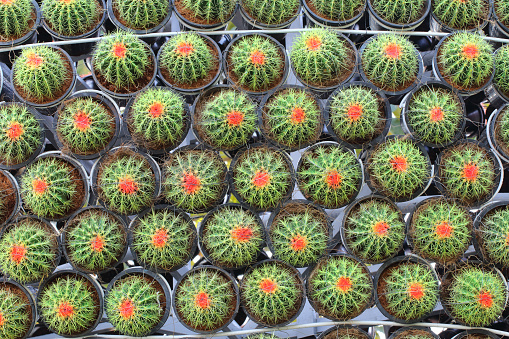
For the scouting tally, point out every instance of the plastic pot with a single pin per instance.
(411, 331)
(347, 331)
(476, 333)
(377, 23)
(491, 136)
(438, 26)
(14, 210)
(320, 21)
(24, 293)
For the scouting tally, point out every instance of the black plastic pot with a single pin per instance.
(476, 333)
(413, 331)
(351, 332)
(30, 299)
(377, 23)
(387, 114)
(17, 199)
(438, 26)
(491, 135)
(319, 21)
(496, 28)
(135, 221)
(95, 285)
(405, 103)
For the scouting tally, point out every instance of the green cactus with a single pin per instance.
(374, 230)
(40, 73)
(337, 10)
(262, 336)
(272, 293)
(69, 304)
(121, 59)
(157, 118)
(502, 11)
(345, 332)
(232, 236)
(226, 119)
(408, 290)
(262, 177)
(340, 287)
(163, 239)
(85, 125)
(271, 12)
(52, 187)
(493, 236)
(329, 175)
(414, 333)
(440, 230)
(72, 17)
(187, 60)
(140, 14)
(467, 173)
(15, 18)
(135, 305)
(208, 11)
(15, 312)
(435, 114)
(390, 62)
(461, 15)
(356, 114)
(28, 251)
(398, 168)
(255, 63)
(501, 130)
(475, 296)
(95, 240)
(399, 12)
(205, 299)
(126, 181)
(20, 134)
(501, 76)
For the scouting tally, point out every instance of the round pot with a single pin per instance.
(495, 146)
(405, 332)
(320, 21)
(188, 25)
(347, 331)
(436, 25)
(14, 210)
(476, 333)
(496, 28)
(24, 293)
(376, 22)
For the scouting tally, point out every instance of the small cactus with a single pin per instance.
(413, 333)
(85, 125)
(390, 62)
(126, 181)
(492, 236)
(205, 299)
(399, 12)
(95, 240)
(345, 332)
(69, 304)
(15, 312)
(337, 10)
(255, 63)
(272, 293)
(40, 73)
(28, 251)
(435, 115)
(188, 60)
(262, 336)
(157, 118)
(461, 15)
(226, 119)
(208, 11)
(501, 131)
(340, 287)
(356, 114)
(374, 230)
(162, 239)
(194, 179)
(140, 14)
(15, 18)
(475, 296)
(501, 76)
(501, 9)
(72, 17)
(262, 177)
(20, 134)
(440, 230)
(232, 236)
(271, 12)
(329, 175)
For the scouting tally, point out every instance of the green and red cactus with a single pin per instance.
(15, 19)
(15, 311)
(492, 236)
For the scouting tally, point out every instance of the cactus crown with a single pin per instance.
(226, 119)
(398, 168)
(140, 14)
(95, 240)
(72, 17)
(135, 304)
(232, 236)
(501, 76)
(69, 304)
(15, 312)
(356, 114)
(262, 177)
(188, 60)
(20, 134)
(493, 236)
(126, 181)
(163, 239)
(121, 60)
(157, 119)
(15, 18)
(408, 290)
(272, 292)
(320, 57)
(475, 296)
(292, 117)
(271, 12)
(401, 11)
(467, 173)
(28, 251)
(205, 299)
(85, 125)
(41, 73)
(255, 63)
(337, 10)
(194, 179)
(329, 175)
(440, 230)
(461, 15)
(52, 187)
(207, 11)
(374, 230)
(465, 60)
(390, 62)
(340, 287)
